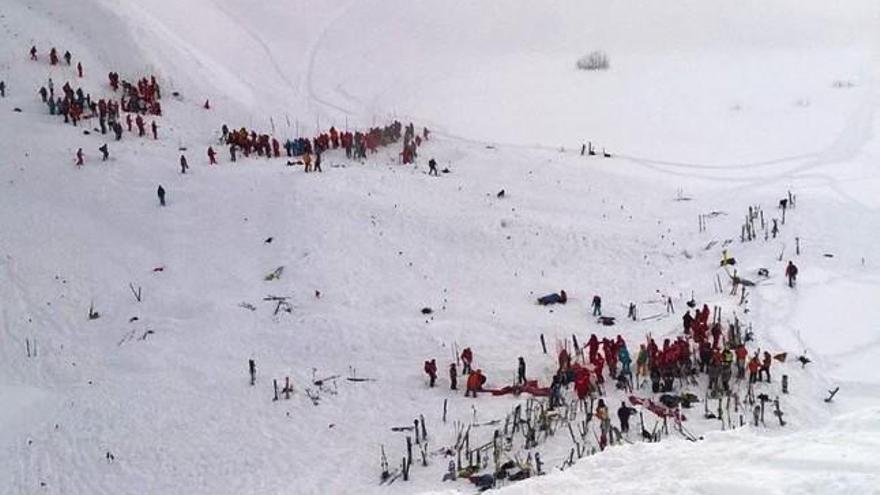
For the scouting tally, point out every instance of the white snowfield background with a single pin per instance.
(727, 104)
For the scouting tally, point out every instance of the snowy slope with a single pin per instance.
(729, 105)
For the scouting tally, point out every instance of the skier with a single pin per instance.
(765, 366)
(318, 162)
(207, 105)
(43, 93)
(687, 320)
(139, 122)
(33, 53)
(791, 272)
(2, 89)
(669, 307)
(642, 362)
(741, 354)
(211, 156)
(623, 415)
(104, 151)
(183, 165)
(475, 382)
(67, 57)
(564, 361)
(631, 312)
(556, 390)
(521, 372)
(604, 423)
(432, 168)
(155, 129)
(53, 57)
(161, 193)
(467, 357)
(453, 377)
(307, 161)
(754, 365)
(79, 157)
(597, 305)
(79, 69)
(431, 370)
(625, 360)
(232, 150)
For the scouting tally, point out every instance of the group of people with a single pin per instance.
(356, 144)
(138, 99)
(55, 60)
(702, 347)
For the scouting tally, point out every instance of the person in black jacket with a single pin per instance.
(161, 193)
(623, 415)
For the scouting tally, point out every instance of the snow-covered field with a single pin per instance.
(729, 105)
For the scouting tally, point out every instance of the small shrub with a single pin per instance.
(593, 61)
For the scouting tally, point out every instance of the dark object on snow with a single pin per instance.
(268, 240)
(16, 109)
(500, 194)
(692, 303)
(161, 193)
(483, 481)
(133, 319)
(606, 320)
(728, 261)
(832, 394)
(554, 298)
(804, 360)
(445, 170)
(93, 315)
(763, 272)
(670, 401)
(519, 475)
(828, 255)
(427, 311)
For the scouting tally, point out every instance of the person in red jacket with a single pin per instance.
(467, 357)
(582, 383)
(475, 382)
(598, 364)
(593, 344)
(211, 155)
(431, 370)
(741, 354)
(564, 360)
(276, 148)
(754, 365)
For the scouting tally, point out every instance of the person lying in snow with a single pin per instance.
(554, 298)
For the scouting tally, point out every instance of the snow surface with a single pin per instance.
(729, 105)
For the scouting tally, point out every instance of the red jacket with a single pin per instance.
(466, 355)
